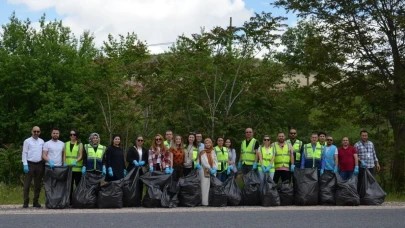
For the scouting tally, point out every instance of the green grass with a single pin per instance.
(395, 197)
(14, 195)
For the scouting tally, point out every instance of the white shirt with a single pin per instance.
(140, 153)
(54, 150)
(32, 150)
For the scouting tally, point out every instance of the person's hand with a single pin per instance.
(171, 170)
(212, 171)
(378, 166)
(198, 166)
(65, 165)
(110, 172)
(363, 164)
(239, 165)
(104, 170)
(125, 172)
(83, 170)
(51, 164)
(322, 171)
(356, 170)
(151, 169)
(26, 169)
(136, 163)
(228, 171)
(74, 163)
(263, 168)
(141, 163)
(292, 167)
(336, 169)
(255, 166)
(167, 170)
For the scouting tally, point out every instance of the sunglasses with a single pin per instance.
(158, 139)
(266, 139)
(248, 132)
(140, 140)
(36, 131)
(72, 134)
(329, 140)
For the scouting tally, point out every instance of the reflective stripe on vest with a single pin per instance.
(311, 154)
(195, 156)
(248, 153)
(267, 157)
(167, 145)
(94, 158)
(223, 158)
(72, 156)
(296, 148)
(282, 156)
(330, 157)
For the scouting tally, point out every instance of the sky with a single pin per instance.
(154, 21)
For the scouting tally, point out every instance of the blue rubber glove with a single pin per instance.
(363, 164)
(255, 166)
(269, 167)
(84, 170)
(141, 163)
(198, 166)
(239, 165)
(292, 167)
(65, 165)
(171, 170)
(51, 164)
(228, 171)
(26, 169)
(110, 172)
(167, 170)
(263, 168)
(125, 172)
(74, 163)
(322, 171)
(136, 163)
(212, 171)
(336, 169)
(151, 169)
(356, 170)
(104, 171)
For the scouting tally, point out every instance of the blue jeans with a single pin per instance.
(222, 176)
(346, 175)
(261, 177)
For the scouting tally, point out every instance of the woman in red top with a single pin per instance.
(156, 154)
(177, 156)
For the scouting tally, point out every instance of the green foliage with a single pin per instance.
(10, 164)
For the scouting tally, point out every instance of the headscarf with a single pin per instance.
(208, 152)
(91, 137)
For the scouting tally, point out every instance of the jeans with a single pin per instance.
(346, 175)
(261, 177)
(222, 176)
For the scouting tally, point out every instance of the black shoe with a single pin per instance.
(37, 205)
(25, 205)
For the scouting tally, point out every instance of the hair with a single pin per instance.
(291, 129)
(55, 129)
(155, 146)
(345, 137)
(363, 131)
(92, 135)
(196, 133)
(321, 133)
(136, 138)
(174, 145)
(269, 138)
(231, 146)
(280, 132)
(114, 136)
(168, 131)
(77, 135)
(314, 133)
(220, 137)
(195, 139)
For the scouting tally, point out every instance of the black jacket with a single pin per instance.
(132, 154)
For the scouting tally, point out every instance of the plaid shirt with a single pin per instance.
(366, 153)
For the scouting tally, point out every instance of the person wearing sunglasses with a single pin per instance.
(33, 165)
(267, 162)
(115, 161)
(94, 156)
(284, 159)
(156, 154)
(72, 156)
(296, 145)
(249, 152)
(209, 164)
(137, 155)
(329, 157)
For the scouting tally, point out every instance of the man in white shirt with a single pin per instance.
(52, 152)
(33, 165)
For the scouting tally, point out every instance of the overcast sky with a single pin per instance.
(154, 21)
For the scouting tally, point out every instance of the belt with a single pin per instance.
(34, 163)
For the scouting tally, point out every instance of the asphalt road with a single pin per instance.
(248, 217)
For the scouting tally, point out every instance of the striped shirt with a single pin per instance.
(366, 153)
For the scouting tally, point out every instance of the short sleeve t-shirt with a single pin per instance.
(54, 149)
(346, 159)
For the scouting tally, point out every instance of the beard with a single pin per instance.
(55, 137)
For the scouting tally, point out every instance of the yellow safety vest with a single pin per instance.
(267, 157)
(296, 148)
(94, 158)
(167, 145)
(283, 156)
(223, 158)
(248, 153)
(72, 156)
(195, 156)
(311, 154)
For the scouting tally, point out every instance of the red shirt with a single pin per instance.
(346, 158)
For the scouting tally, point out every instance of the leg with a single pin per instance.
(272, 175)
(39, 173)
(246, 169)
(285, 176)
(371, 171)
(27, 183)
(277, 176)
(261, 177)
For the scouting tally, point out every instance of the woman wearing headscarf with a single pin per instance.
(94, 158)
(156, 154)
(209, 163)
(115, 160)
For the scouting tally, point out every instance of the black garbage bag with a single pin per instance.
(232, 191)
(217, 196)
(85, 195)
(155, 181)
(328, 188)
(132, 192)
(57, 183)
(269, 194)
(370, 191)
(170, 194)
(111, 194)
(190, 189)
(346, 192)
(286, 193)
(251, 190)
(307, 187)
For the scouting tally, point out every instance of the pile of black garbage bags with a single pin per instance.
(164, 191)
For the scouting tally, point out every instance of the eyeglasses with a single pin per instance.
(36, 131)
(266, 139)
(329, 140)
(158, 139)
(72, 134)
(293, 133)
(140, 140)
(248, 132)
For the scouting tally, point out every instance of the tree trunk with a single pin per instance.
(398, 163)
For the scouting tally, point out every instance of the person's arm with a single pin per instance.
(63, 155)
(45, 153)
(377, 165)
(105, 159)
(336, 158)
(323, 160)
(291, 153)
(303, 159)
(233, 157)
(84, 156)
(171, 160)
(274, 155)
(123, 160)
(131, 155)
(356, 159)
(259, 157)
(215, 161)
(80, 153)
(150, 157)
(25, 153)
(204, 161)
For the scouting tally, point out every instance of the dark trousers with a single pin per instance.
(361, 175)
(187, 171)
(283, 174)
(76, 176)
(178, 171)
(246, 168)
(222, 176)
(36, 171)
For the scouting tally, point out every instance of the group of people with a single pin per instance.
(179, 157)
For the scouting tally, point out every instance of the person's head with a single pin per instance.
(191, 139)
(266, 140)
(198, 137)
(74, 136)
(116, 140)
(158, 141)
(280, 137)
(322, 136)
(314, 138)
(94, 139)
(55, 134)
(345, 141)
(35, 132)
(139, 141)
(220, 141)
(329, 140)
(249, 133)
(228, 143)
(169, 135)
(178, 142)
(292, 134)
(364, 135)
(207, 144)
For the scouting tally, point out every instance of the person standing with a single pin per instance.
(322, 139)
(137, 155)
(115, 160)
(169, 139)
(249, 153)
(348, 160)
(222, 153)
(199, 139)
(296, 145)
(32, 165)
(329, 157)
(312, 155)
(284, 157)
(73, 156)
(367, 155)
(209, 165)
(53, 150)
(156, 154)
(177, 151)
(267, 162)
(190, 155)
(94, 157)
(232, 157)
(167, 163)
